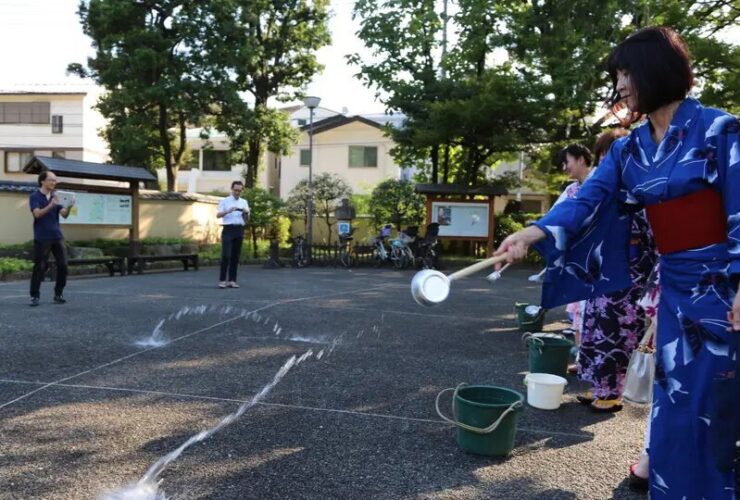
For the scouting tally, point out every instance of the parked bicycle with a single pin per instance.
(380, 252)
(429, 248)
(401, 254)
(347, 253)
(300, 251)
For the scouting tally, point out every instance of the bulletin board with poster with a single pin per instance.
(100, 209)
(466, 220)
(461, 219)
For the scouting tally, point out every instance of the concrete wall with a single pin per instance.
(163, 218)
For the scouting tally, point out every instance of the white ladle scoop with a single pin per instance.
(430, 287)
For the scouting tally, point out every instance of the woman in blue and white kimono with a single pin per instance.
(683, 166)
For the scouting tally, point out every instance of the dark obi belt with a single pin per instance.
(695, 220)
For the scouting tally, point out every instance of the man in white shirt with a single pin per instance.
(234, 214)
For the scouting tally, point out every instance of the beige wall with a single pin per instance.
(164, 218)
(331, 154)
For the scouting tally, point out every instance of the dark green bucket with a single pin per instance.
(527, 322)
(486, 418)
(549, 355)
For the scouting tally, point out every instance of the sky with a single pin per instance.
(39, 38)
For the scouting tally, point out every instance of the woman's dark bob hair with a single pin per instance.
(578, 151)
(658, 62)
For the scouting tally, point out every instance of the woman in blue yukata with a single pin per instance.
(683, 166)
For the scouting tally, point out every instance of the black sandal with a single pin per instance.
(636, 482)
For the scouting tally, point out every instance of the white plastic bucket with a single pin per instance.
(544, 391)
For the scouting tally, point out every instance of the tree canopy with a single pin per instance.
(395, 201)
(519, 76)
(171, 64)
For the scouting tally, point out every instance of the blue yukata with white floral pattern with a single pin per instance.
(586, 246)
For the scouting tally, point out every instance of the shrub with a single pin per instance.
(12, 265)
(511, 223)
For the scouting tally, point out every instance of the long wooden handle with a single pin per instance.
(467, 271)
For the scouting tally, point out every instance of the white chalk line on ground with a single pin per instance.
(176, 339)
(279, 405)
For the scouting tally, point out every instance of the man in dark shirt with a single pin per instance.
(47, 236)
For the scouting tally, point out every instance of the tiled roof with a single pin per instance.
(338, 121)
(17, 187)
(144, 194)
(167, 195)
(88, 170)
(452, 189)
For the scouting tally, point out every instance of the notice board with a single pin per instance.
(101, 209)
(467, 220)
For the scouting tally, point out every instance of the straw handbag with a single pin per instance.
(638, 384)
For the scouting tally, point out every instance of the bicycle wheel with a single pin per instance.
(346, 258)
(398, 258)
(377, 257)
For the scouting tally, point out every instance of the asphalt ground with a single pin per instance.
(84, 409)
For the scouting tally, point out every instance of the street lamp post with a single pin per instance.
(311, 103)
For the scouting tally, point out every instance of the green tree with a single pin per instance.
(297, 202)
(404, 37)
(520, 76)
(264, 211)
(268, 48)
(395, 201)
(142, 59)
(328, 191)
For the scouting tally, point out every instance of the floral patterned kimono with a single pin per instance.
(695, 413)
(614, 324)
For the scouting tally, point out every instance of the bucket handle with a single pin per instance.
(476, 430)
(536, 341)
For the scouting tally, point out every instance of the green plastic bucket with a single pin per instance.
(549, 355)
(486, 418)
(527, 322)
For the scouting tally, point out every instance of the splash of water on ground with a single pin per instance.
(147, 488)
(156, 339)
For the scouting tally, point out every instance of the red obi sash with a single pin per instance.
(692, 221)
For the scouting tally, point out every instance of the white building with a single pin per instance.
(354, 147)
(49, 120)
(209, 169)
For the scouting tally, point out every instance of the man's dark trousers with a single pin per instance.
(231, 248)
(41, 251)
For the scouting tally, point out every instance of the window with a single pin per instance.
(531, 206)
(216, 160)
(57, 124)
(301, 122)
(305, 157)
(16, 160)
(58, 154)
(363, 156)
(25, 112)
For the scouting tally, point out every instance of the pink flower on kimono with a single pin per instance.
(601, 303)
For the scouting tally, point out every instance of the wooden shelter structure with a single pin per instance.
(76, 169)
(459, 210)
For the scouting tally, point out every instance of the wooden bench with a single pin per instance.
(114, 265)
(81, 256)
(137, 261)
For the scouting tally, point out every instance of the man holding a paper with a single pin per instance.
(47, 236)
